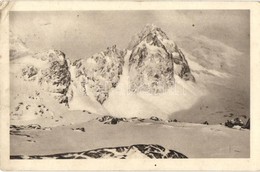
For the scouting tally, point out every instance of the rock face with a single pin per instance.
(124, 152)
(154, 61)
(29, 72)
(51, 73)
(247, 126)
(99, 73)
(55, 76)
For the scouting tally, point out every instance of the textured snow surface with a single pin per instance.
(192, 140)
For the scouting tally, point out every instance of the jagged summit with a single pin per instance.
(151, 29)
(150, 33)
(111, 80)
(99, 73)
(154, 61)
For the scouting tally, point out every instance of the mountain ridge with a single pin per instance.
(157, 78)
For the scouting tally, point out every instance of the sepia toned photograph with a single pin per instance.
(157, 84)
(136, 85)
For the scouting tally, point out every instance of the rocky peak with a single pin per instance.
(100, 72)
(150, 34)
(55, 75)
(77, 63)
(151, 29)
(154, 61)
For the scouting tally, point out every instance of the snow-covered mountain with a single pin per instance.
(154, 61)
(99, 73)
(156, 79)
(152, 77)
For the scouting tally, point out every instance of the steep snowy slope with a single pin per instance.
(39, 103)
(79, 100)
(48, 69)
(28, 100)
(125, 103)
(211, 54)
(156, 79)
(215, 65)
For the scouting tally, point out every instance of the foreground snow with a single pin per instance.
(139, 151)
(193, 140)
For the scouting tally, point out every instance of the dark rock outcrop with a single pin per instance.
(142, 151)
(111, 120)
(247, 125)
(55, 77)
(154, 118)
(205, 123)
(81, 129)
(29, 72)
(234, 122)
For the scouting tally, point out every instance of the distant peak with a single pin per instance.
(113, 48)
(150, 32)
(150, 28)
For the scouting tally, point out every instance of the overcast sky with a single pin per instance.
(81, 34)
